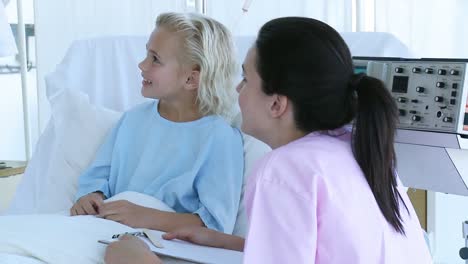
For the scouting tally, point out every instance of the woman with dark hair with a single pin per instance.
(328, 192)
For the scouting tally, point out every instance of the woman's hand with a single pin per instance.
(127, 213)
(206, 237)
(88, 204)
(130, 249)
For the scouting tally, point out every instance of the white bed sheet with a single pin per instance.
(6, 258)
(59, 238)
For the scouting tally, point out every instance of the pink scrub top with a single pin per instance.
(309, 202)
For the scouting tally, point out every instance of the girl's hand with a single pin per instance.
(207, 237)
(195, 234)
(126, 213)
(88, 204)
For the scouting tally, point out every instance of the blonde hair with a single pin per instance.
(208, 44)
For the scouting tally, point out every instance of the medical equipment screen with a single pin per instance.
(400, 84)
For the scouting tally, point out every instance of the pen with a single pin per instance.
(105, 242)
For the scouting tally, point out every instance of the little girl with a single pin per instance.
(177, 148)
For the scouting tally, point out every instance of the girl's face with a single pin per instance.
(163, 76)
(253, 102)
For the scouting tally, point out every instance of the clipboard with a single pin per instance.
(187, 251)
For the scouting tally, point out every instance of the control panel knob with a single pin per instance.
(447, 119)
(416, 70)
(429, 70)
(439, 99)
(416, 118)
(420, 89)
(442, 72)
(402, 112)
(399, 70)
(440, 84)
(454, 72)
(415, 101)
(401, 99)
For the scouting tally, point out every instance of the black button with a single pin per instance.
(453, 101)
(402, 112)
(416, 70)
(401, 99)
(453, 72)
(454, 93)
(415, 101)
(442, 72)
(440, 84)
(398, 70)
(413, 112)
(429, 70)
(454, 85)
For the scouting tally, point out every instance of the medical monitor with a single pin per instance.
(431, 142)
(431, 94)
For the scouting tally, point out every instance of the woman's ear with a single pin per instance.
(278, 105)
(193, 80)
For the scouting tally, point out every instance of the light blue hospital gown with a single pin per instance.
(194, 167)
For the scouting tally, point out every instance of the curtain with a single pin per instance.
(430, 28)
(337, 13)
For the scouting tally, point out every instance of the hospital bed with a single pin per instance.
(97, 80)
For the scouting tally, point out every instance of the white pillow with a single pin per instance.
(254, 149)
(80, 127)
(64, 150)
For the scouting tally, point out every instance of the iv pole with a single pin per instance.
(24, 84)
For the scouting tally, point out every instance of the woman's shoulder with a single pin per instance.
(306, 161)
(315, 145)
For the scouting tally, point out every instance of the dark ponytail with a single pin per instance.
(308, 61)
(373, 137)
